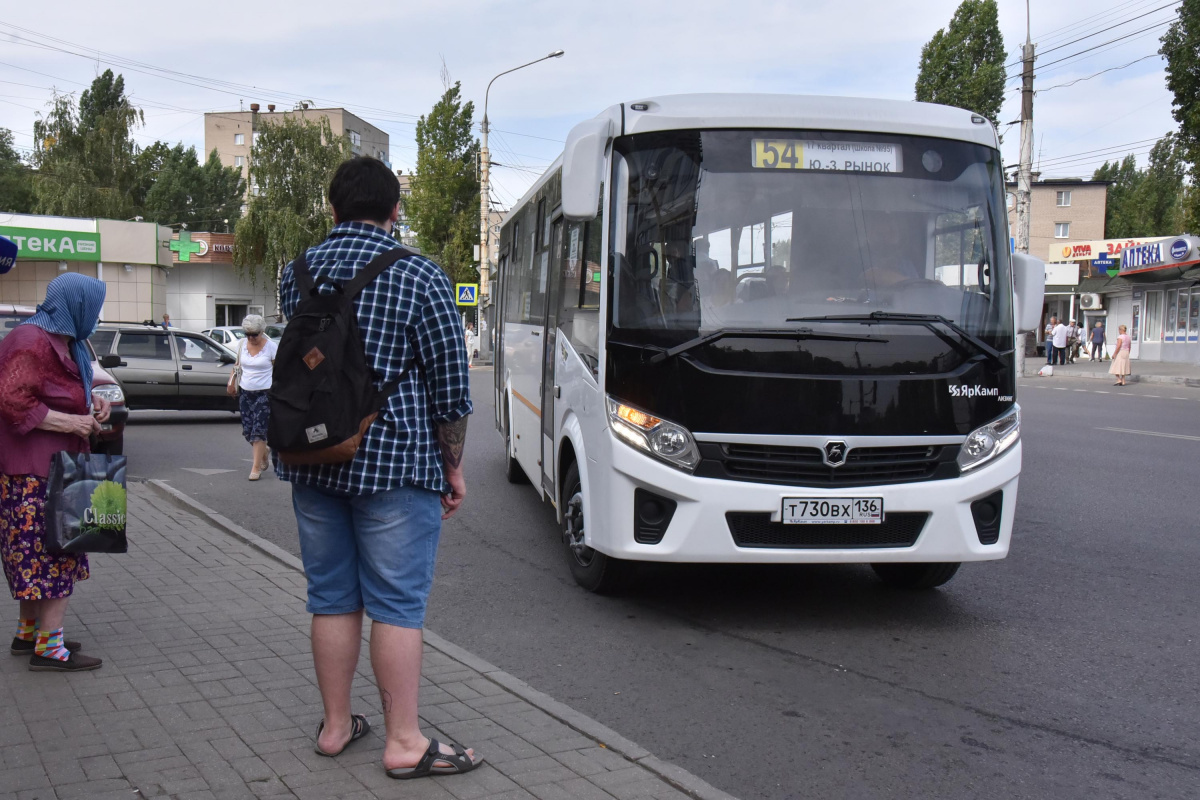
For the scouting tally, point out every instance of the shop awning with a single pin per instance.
(1061, 289)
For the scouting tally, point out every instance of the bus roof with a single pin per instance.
(804, 111)
(788, 111)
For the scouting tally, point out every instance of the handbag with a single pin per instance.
(86, 504)
(235, 377)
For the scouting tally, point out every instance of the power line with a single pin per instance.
(1097, 33)
(1067, 30)
(1097, 74)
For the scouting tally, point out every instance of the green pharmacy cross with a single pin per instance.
(185, 246)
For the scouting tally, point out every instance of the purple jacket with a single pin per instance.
(37, 375)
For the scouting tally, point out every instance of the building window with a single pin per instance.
(1011, 200)
(1062, 230)
(355, 138)
(239, 138)
(254, 139)
(1062, 199)
(239, 161)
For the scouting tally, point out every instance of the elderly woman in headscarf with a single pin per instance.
(256, 357)
(46, 405)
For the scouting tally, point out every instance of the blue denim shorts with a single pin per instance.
(374, 552)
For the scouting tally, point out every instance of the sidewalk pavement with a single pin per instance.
(1143, 371)
(208, 691)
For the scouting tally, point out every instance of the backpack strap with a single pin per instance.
(374, 269)
(302, 276)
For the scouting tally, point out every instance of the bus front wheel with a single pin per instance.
(593, 571)
(915, 576)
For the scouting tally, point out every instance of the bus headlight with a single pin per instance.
(660, 438)
(987, 442)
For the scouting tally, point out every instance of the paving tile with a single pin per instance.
(212, 695)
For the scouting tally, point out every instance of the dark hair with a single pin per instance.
(364, 189)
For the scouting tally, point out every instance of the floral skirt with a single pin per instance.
(255, 413)
(32, 573)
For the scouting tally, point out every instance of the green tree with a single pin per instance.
(1124, 177)
(1181, 48)
(444, 205)
(963, 65)
(1145, 202)
(182, 190)
(86, 157)
(291, 165)
(16, 179)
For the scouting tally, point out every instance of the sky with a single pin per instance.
(385, 63)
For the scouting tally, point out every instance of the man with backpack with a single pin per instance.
(369, 412)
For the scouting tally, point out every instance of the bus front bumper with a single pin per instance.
(700, 530)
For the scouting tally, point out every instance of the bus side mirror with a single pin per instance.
(1029, 289)
(583, 169)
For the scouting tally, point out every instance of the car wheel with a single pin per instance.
(114, 447)
(916, 576)
(592, 570)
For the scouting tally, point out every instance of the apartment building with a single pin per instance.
(1063, 210)
(231, 133)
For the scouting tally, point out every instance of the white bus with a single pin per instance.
(727, 333)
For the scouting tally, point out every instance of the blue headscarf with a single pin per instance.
(72, 308)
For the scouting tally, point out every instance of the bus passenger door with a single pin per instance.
(550, 337)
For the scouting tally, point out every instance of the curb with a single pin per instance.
(677, 777)
(1173, 380)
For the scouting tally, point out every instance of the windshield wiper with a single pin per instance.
(760, 333)
(929, 321)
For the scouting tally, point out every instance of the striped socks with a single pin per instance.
(50, 645)
(27, 629)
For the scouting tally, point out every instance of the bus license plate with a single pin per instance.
(832, 511)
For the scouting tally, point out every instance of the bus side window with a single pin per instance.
(579, 301)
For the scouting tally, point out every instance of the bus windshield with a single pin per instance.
(758, 229)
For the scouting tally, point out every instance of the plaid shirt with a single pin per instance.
(411, 332)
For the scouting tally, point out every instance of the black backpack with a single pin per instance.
(323, 396)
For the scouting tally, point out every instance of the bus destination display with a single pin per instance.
(834, 156)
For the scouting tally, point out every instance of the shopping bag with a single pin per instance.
(85, 504)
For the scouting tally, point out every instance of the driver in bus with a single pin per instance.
(890, 245)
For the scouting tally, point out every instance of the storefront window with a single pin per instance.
(1172, 312)
(1152, 331)
(1194, 317)
(1181, 325)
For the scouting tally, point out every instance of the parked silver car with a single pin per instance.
(230, 335)
(167, 369)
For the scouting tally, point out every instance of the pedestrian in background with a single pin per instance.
(1120, 360)
(369, 527)
(1097, 339)
(470, 344)
(1073, 343)
(256, 357)
(1048, 339)
(46, 406)
(1061, 335)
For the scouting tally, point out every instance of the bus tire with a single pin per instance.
(916, 576)
(513, 472)
(592, 570)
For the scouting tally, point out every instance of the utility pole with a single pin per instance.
(485, 210)
(1025, 173)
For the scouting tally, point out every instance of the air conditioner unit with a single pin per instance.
(1091, 301)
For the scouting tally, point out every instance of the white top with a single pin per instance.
(1060, 335)
(256, 370)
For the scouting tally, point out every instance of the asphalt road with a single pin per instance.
(1068, 670)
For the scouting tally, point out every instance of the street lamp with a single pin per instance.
(484, 289)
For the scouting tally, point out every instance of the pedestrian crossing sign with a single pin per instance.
(468, 294)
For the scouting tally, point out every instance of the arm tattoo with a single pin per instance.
(385, 698)
(451, 437)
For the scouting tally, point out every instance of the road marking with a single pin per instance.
(1100, 392)
(1153, 433)
(1060, 388)
(1081, 390)
(1152, 395)
(205, 472)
